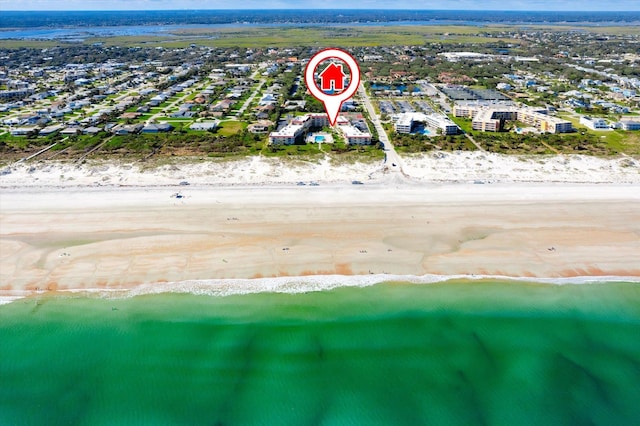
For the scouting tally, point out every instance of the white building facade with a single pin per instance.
(489, 118)
(629, 125)
(594, 123)
(406, 121)
(301, 125)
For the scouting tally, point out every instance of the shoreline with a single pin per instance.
(120, 238)
(300, 284)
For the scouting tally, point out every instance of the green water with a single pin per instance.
(393, 354)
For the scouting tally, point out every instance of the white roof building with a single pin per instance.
(355, 136)
(489, 118)
(300, 125)
(594, 123)
(629, 125)
(405, 122)
(204, 125)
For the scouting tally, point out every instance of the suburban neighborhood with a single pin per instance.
(256, 97)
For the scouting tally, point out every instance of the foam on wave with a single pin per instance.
(307, 284)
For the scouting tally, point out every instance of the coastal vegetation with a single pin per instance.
(155, 147)
(610, 143)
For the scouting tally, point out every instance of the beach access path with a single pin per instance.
(392, 160)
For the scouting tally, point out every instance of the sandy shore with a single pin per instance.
(122, 238)
(431, 167)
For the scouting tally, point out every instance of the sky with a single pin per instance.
(542, 5)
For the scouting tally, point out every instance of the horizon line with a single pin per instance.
(325, 9)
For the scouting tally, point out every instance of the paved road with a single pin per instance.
(253, 76)
(251, 98)
(391, 157)
(172, 106)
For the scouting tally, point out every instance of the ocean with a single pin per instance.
(453, 353)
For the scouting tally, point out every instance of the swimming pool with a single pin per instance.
(421, 130)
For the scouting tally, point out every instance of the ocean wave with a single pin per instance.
(307, 284)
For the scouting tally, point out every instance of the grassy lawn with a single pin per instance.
(616, 140)
(228, 128)
(621, 141)
(463, 123)
(572, 118)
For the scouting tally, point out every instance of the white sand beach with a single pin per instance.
(94, 234)
(431, 167)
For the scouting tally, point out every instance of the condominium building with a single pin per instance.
(491, 118)
(287, 135)
(299, 126)
(355, 136)
(406, 121)
(296, 128)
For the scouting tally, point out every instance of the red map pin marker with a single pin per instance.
(332, 78)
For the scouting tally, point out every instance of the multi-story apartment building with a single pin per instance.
(491, 118)
(406, 121)
(299, 126)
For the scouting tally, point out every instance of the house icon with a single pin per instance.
(332, 77)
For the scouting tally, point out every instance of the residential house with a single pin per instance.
(130, 115)
(157, 128)
(629, 124)
(261, 126)
(204, 125)
(24, 131)
(126, 129)
(50, 130)
(71, 131)
(182, 114)
(296, 105)
(223, 105)
(594, 123)
(268, 99)
(91, 130)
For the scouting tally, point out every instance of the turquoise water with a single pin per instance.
(422, 130)
(455, 353)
